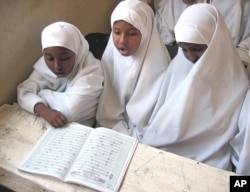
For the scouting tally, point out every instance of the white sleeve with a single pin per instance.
(79, 100)
(27, 92)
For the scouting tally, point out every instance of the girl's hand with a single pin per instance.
(53, 117)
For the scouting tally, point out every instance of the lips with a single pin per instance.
(123, 51)
(59, 74)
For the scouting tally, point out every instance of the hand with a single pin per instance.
(53, 117)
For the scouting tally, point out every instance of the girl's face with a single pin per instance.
(59, 60)
(126, 38)
(192, 51)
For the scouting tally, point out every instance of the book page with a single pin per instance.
(54, 153)
(102, 162)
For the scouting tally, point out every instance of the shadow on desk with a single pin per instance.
(4, 189)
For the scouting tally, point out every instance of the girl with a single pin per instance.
(133, 62)
(66, 81)
(236, 14)
(197, 112)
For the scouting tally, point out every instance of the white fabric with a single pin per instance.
(241, 142)
(76, 95)
(199, 105)
(132, 83)
(167, 14)
(195, 32)
(236, 14)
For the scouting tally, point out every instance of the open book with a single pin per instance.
(96, 158)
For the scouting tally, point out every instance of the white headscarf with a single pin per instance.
(76, 95)
(241, 142)
(66, 35)
(199, 105)
(132, 83)
(167, 14)
(236, 14)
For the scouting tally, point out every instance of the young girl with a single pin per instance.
(197, 111)
(133, 62)
(236, 14)
(167, 14)
(66, 82)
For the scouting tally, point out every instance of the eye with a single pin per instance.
(49, 57)
(199, 49)
(65, 57)
(184, 50)
(133, 33)
(116, 32)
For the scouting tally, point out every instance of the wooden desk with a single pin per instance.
(150, 170)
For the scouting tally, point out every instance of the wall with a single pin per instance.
(21, 24)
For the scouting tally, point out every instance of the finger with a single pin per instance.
(60, 121)
(63, 119)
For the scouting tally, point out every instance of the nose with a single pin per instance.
(192, 57)
(123, 39)
(57, 64)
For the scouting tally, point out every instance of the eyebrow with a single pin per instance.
(62, 53)
(194, 46)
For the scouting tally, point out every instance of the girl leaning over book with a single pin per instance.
(66, 81)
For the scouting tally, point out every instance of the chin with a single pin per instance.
(60, 75)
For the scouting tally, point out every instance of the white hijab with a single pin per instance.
(167, 14)
(132, 83)
(199, 105)
(65, 35)
(77, 94)
(236, 14)
(241, 142)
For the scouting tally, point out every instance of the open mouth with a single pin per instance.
(123, 51)
(60, 74)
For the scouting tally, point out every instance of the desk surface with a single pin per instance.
(150, 169)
